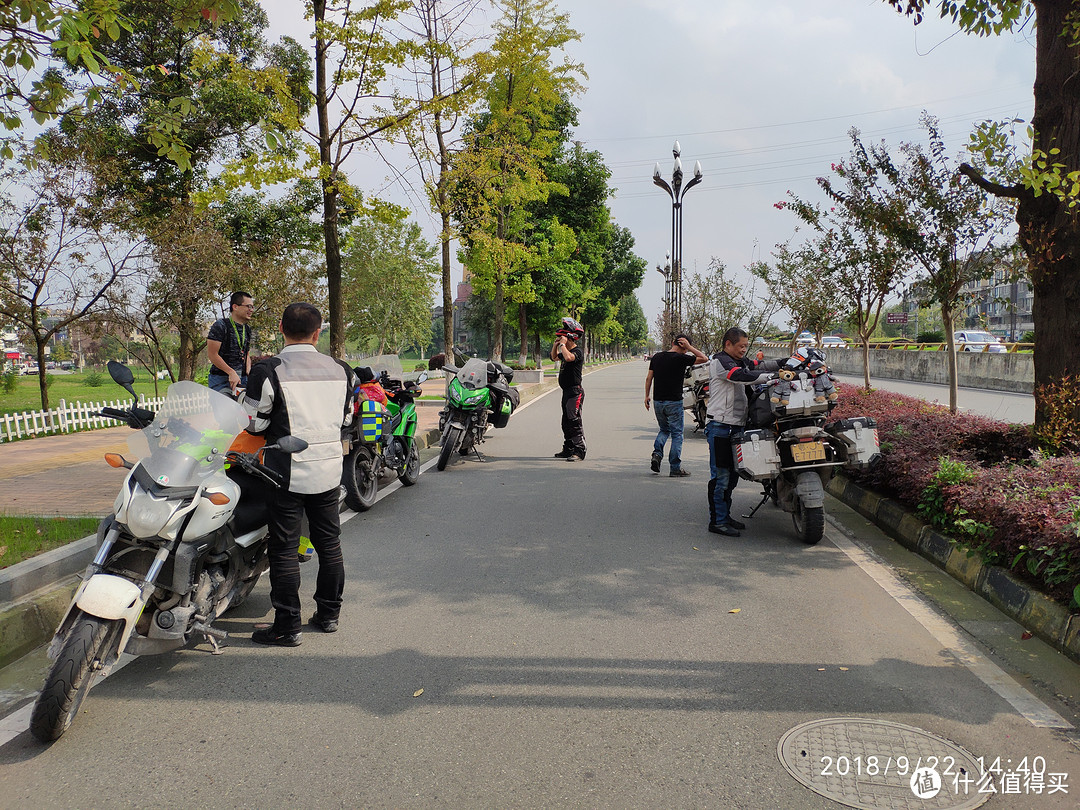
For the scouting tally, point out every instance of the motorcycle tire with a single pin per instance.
(809, 523)
(359, 479)
(410, 472)
(450, 443)
(88, 645)
(700, 416)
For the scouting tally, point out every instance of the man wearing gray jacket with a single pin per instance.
(729, 374)
(305, 394)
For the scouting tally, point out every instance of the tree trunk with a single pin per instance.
(43, 383)
(447, 296)
(865, 339)
(329, 189)
(523, 333)
(539, 356)
(950, 347)
(1049, 230)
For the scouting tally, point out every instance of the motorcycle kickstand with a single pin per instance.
(212, 635)
(480, 458)
(765, 497)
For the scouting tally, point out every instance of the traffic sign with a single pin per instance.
(895, 317)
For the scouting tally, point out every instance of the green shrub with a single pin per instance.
(420, 367)
(1059, 432)
(94, 379)
(10, 382)
(1027, 337)
(930, 337)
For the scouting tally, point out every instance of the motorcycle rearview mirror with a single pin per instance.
(289, 444)
(122, 376)
(423, 376)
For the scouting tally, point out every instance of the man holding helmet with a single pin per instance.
(566, 349)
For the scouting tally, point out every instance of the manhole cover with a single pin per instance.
(875, 764)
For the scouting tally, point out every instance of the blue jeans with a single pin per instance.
(669, 416)
(216, 382)
(722, 467)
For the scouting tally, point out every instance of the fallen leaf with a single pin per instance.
(821, 669)
(843, 669)
(418, 692)
(695, 548)
(735, 610)
(1025, 635)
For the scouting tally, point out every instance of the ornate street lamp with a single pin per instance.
(676, 191)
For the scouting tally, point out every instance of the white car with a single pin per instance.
(833, 342)
(970, 340)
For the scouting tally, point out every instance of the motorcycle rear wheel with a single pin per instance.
(359, 479)
(809, 523)
(700, 417)
(410, 472)
(450, 443)
(88, 645)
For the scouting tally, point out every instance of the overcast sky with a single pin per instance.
(763, 93)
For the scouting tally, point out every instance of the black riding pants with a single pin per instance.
(572, 428)
(324, 525)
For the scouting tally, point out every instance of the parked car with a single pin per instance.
(833, 342)
(970, 340)
(29, 368)
(805, 339)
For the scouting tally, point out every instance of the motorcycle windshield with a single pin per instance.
(474, 374)
(189, 436)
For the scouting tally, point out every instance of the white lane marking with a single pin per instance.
(960, 647)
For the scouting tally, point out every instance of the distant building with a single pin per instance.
(462, 339)
(1000, 304)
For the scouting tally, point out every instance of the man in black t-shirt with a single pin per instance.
(667, 370)
(566, 349)
(228, 346)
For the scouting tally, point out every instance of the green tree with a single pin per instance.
(389, 273)
(59, 256)
(223, 94)
(866, 266)
(950, 230)
(500, 173)
(633, 325)
(443, 75)
(1047, 194)
(36, 35)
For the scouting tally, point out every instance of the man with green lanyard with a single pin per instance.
(228, 345)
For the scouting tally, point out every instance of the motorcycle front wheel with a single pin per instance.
(809, 523)
(87, 648)
(411, 471)
(450, 443)
(358, 476)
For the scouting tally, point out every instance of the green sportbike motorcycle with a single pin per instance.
(382, 439)
(478, 396)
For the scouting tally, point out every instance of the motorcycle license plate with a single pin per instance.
(809, 451)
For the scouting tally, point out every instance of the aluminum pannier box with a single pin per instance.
(860, 437)
(755, 455)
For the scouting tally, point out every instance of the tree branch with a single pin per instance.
(998, 190)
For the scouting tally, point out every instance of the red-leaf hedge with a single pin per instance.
(1023, 506)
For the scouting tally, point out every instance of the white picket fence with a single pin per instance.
(65, 418)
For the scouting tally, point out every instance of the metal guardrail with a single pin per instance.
(911, 345)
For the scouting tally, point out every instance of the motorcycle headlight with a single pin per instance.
(147, 516)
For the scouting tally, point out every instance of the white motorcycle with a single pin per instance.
(186, 541)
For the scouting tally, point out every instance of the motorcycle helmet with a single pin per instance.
(364, 374)
(571, 329)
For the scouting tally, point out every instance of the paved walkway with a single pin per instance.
(67, 475)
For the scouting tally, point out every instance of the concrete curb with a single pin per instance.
(35, 593)
(1042, 616)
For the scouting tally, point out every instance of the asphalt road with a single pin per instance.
(573, 630)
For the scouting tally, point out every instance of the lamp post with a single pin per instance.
(665, 271)
(676, 191)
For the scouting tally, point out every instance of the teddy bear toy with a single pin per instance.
(824, 390)
(781, 389)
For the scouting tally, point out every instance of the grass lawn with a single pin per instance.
(25, 537)
(72, 388)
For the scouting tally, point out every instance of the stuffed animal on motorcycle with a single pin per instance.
(824, 390)
(781, 390)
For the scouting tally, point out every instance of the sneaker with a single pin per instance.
(575, 457)
(724, 529)
(679, 474)
(654, 463)
(735, 524)
(564, 454)
(268, 635)
(326, 625)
